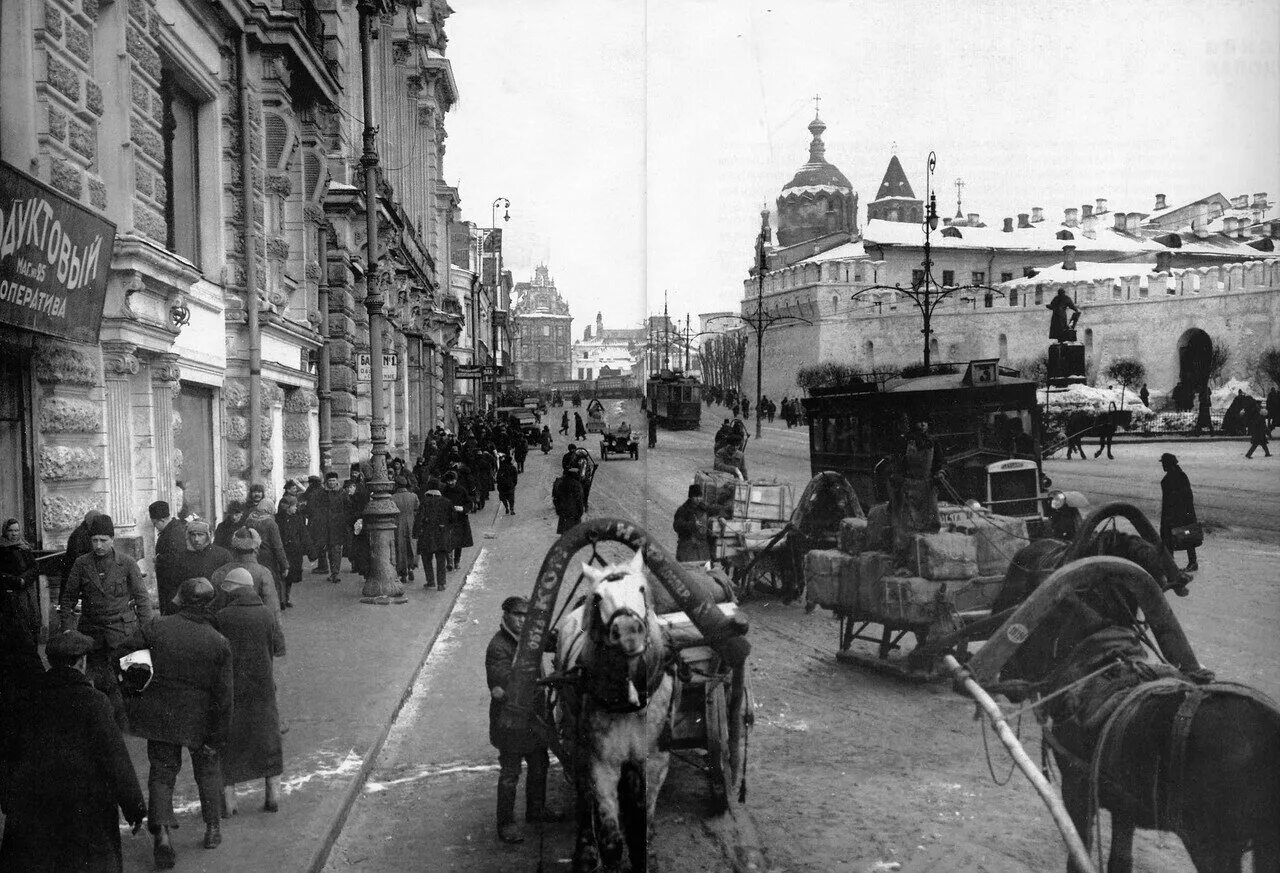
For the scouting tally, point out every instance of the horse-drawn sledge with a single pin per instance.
(639, 671)
(595, 416)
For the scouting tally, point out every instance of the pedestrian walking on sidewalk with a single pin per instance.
(432, 527)
(271, 552)
(253, 749)
(200, 558)
(564, 422)
(1177, 508)
(1257, 432)
(113, 601)
(297, 544)
(187, 704)
(69, 773)
(507, 478)
(579, 429)
(406, 508)
(520, 451)
(653, 430)
(331, 519)
(568, 500)
(514, 749)
(244, 551)
(460, 525)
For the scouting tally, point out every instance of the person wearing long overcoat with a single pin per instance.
(568, 500)
(199, 559)
(19, 614)
(691, 524)
(460, 525)
(1177, 505)
(1257, 431)
(271, 553)
(564, 422)
(432, 527)
(188, 703)
(520, 451)
(253, 749)
(245, 547)
(506, 481)
(406, 511)
(482, 466)
(579, 429)
(331, 519)
(67, 775)
(232, 521)
(296, 538)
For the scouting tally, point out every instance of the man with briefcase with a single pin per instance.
(1179, 528)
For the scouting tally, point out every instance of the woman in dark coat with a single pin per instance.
(69, 773)
(432, 527)
(253, 750)
(507, 478)
(1177, 506)
(460, 527)
(296, 538)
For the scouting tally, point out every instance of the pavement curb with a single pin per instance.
(352, 792)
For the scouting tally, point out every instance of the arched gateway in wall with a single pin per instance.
(1195, 353)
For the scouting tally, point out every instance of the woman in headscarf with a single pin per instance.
(19, 614)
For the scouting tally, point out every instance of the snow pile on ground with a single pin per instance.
(1099, 399)
(1221, 397)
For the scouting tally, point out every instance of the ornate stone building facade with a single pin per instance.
(140, 112)
(541, 333)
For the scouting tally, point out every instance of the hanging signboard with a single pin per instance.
(492, 372)
(467, 371)
(364, 367)
(54, 258)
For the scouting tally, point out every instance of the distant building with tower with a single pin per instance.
(541, 331)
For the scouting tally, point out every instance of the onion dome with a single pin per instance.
(817, 175)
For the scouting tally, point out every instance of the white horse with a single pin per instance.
(614, 716)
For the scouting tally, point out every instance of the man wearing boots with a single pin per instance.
(513, 749)
(188, 703)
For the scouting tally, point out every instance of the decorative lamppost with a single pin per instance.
(381, 585)
(927, 293)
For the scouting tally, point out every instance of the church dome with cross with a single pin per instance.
(818, 200)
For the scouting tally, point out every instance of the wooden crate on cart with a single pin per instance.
(763, 500)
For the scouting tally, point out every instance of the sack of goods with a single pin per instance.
(764, 500)
(905, 600)
(944, 555)
(879, 529)
(717, 489)
(831, 580)
(853, 535)
(997, 539)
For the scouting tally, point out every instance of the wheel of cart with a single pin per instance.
(762, 562)
(712, 712)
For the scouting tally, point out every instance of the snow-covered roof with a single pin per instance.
(842, 252)
(1085, 271)
(1039, 237)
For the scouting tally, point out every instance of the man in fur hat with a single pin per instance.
(113, 599)
(244, 548)
(188, 704)
(200, 558)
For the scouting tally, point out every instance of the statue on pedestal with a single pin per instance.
(1060, 330)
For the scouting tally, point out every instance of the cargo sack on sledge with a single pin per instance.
(879, 530)
(872, 567)
(942, 556)
(831, 579)
(853, 535)
(717, 488)
(905, 600)
(997, 539)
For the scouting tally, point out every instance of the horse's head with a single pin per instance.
(620, 598)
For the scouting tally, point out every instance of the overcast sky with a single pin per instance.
(637, 141)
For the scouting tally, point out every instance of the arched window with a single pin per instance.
(933, 349)
(1013, 296)
(869, 352)
(1004, 346)
(1039, 295)
(835, 301)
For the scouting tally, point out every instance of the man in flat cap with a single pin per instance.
(200, 556)
(69, 773)
(514, 749)
(188, 704)
(245, 543)
(171, 533)
(113, 600)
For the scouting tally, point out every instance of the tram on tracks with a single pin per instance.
(676, 400)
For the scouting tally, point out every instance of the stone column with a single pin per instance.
(416, 402)
(403, 426)
(119, 366)
(164, 388)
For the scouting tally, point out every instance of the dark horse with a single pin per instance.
(1103, 425)
(1159, 745)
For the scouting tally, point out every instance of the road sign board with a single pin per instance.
(364, 366)
(491, 372)
(467, 371)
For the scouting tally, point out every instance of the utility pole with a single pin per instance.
(686, 343)
(381, 586)
(666, 334)
(762, 263)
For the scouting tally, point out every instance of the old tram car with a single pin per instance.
(675, 399)
(984, 420)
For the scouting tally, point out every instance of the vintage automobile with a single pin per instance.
(525, 420)
(619, 440)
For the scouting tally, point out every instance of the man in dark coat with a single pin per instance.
(78, 543)
(691, 524)
(1257, 431)
(1177, 506)
(564, 422)
(199, 558)
(568, 500)
(171, 533)
(67, 774)
(460, 526)
(520, 451)
(330, 525)
(653, 430)
(483, 467)
(514, 749)
(506, 481)
(114, 599)
(253, 750)
(315, 485)
(188, 704)
(406, 503)
(231, 522)
(244, 550)
(435, 513)
(296, 539)
(579, 429)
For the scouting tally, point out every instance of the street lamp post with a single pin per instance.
(927, 294)
(381, 585)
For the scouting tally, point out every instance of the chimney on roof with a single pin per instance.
(1102, 205)
(1086, 209)
(1008, 225)
(1090, 226)
(1160, 203)
(1037, 214)
(1200, 220)
(1240, 201)
(1068, 257)
(1228, 225)
(1164, 261)
(1071, 217)
(1260, 200)
(1132, 221)
(946, 221)
(1023, 220)
(973, 219)
(1120, 221)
